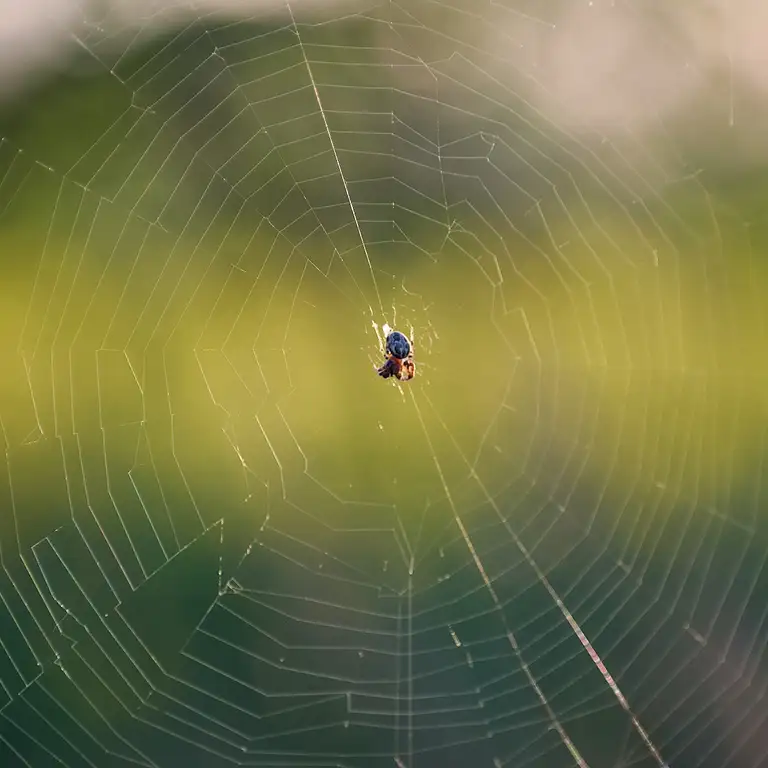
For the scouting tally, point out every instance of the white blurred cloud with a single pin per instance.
(592, 64)
(36, 34)
(33, 34)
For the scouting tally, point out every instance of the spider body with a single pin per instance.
(399, 358)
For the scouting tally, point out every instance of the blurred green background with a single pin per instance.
(225, 540)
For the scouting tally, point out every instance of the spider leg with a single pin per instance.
(388, 369)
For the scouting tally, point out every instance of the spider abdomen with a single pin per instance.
(398, 345)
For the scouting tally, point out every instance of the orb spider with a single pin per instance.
(399, 358)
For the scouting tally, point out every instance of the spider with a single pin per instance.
(399, 358)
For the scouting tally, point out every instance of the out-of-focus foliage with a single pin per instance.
(197, 239)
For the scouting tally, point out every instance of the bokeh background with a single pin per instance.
(225, 541)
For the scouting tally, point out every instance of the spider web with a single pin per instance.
(226, 541)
